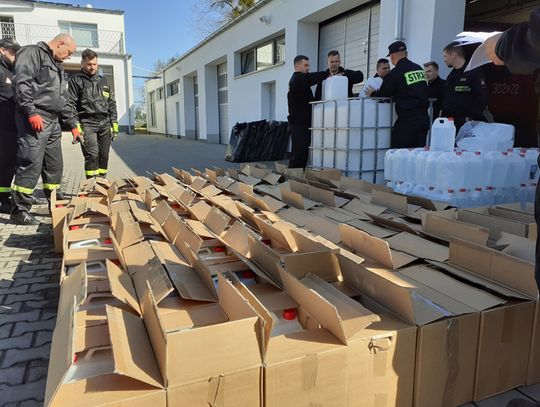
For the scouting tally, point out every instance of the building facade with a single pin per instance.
(29, 22)
(240, 73)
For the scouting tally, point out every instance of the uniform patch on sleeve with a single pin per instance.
(8, 81)
(413, 77)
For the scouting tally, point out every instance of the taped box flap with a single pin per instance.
(132, 352)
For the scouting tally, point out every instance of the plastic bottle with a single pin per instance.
(285, 322)
(476, 198)
(462, 198)
(430, 173)
(388, 161)
(443, 134)
(336, 87)
(419, 190)
(434, 194)
(411, 165)
(531, 191)
(495, 169)
(399, 164)
(522, 196)
(449, 197)
(403, 188)
(474, 169)
(489, 196)
(420, 166)
(450, 171)
(247, 277)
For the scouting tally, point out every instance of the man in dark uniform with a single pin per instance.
(406, 84)
(466, 93)
(298, 99)
(435, 86)
(39, 88)
(334, 67)
(8, 130)
(92, 108)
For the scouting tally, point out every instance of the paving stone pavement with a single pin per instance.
(29, 267)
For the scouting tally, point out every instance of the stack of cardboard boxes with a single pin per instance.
(255, 287)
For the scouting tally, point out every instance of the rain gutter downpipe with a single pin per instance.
(400, 11)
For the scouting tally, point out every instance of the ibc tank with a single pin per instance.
(317, 135)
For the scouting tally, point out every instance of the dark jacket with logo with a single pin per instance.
(519, 47)
(7, 105)
(300, 95)
(352, 76)
(90, 100)
(465, 94)
(407, 85)
(436, 91)
(39, 83)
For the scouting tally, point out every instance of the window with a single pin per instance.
(85, 35)
(263, 55)
(7, 27)
(108, 73)
(152, 98)
(172, 88)
(159, 93)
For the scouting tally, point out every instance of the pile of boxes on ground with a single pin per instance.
(255, 287)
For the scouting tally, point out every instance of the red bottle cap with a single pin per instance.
(477, 153)
(289, 314)
(458, 153)
(451, 119)
(248, 274)
(83, 195)
(74, 227)
(219, 249)
(478, 189)
(505, 153)
(266, 241)
(451, 191)
(108, 241)
(489, 188)
(75, 358)
(117, 262)
(60, 206)
(462, 190)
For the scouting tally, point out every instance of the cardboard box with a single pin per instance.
(196, 366)
(114, 363)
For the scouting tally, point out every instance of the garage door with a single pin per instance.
(356, 37)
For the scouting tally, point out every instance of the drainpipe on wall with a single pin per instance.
(164, 101)
(400, 11)
(128, 93)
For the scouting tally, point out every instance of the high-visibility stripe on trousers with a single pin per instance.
(8, 162)
(37, 154)
(97, 142)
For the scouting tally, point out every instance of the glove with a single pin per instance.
(114, 131)
(36, 122)
(77, 135)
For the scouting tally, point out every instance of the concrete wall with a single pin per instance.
(428, 26)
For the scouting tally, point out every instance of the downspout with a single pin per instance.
(400, 12)
(164, 101)
(129, 95)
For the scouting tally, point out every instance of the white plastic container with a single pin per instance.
(430, 174)
(495, 169)
(443, 135)
(531, 191)
(286, 322)
(388, 162)
(476, 198)
(450, 171)
(399, 165)
(463, 198)
(246, 277)
(411, 165)
(419, 190)
(317, 136)
(474, 169)
(93, 362)
(489, 195)
(522, 196)
(449, 196)
(336, 87)
(420, 166)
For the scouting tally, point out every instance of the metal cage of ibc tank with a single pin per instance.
(362, 172)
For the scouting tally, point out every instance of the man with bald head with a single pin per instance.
(40, 97)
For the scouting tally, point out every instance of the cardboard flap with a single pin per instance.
(314, 304)
(161, 212)
(394, 223)
(307, 242)
(445, 229)
(132, 352)
(366, 245)
(467, 294)
(296, 200)
(237, 238)
(264, 257)
(518, 246)
(394, 202)
(128, 232)
(372, 229)
(502, 268)
(325, 227)
(247, 214)
(354, 316)
(210, 191)
(198, 183)
(74, 289)
(61, 356)
(89, 207)
(200, 210)
(217, 221)
(418, 247)
(122, 287)
(231, 301)
(295, 216)
(322, 264)
(279, 231)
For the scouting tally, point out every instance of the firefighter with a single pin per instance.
(8, 130)
(465, 93)
(334, 67)
(91, 107)
(407, 85)
(40, 97)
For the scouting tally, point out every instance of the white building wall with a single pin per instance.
(299, 20)
(41, 23)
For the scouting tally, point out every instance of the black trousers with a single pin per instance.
(97, 143)
(410, 130)
(37, 154)
(8, 162)
(301, 139)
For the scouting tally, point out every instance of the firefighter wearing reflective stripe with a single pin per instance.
(8, 130)
(39, 89)
(92, 108)
(407, 85)
(466, 93)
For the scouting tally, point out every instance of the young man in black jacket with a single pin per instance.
(298, 99)
(334, 67)
(407, 85)
(466, 93)
(8, 130)
(435, 86)
(39, 88)
(92, 109)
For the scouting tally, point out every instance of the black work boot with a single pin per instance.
(5, 207)
(24, 218)
(39, 201)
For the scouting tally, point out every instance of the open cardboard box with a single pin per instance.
(105, 365)
(381, 348)
(505, 331)
(207, 353)
(445, 228)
